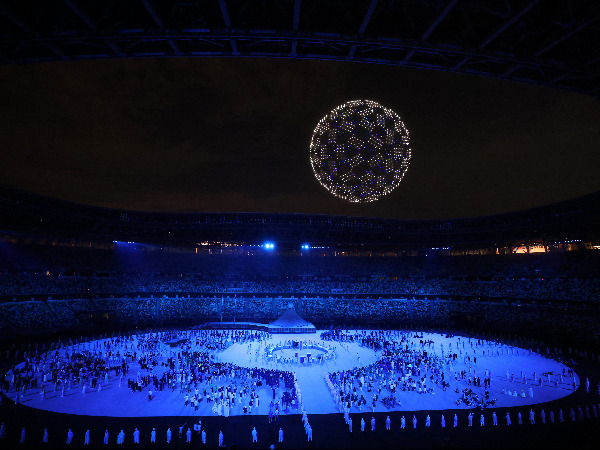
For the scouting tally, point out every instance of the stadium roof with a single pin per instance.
(545, 43)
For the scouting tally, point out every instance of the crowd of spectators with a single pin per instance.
(12, 285)
(45, 287)
(576, 323)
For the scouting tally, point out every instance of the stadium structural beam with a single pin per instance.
(367, 17)
(296, 21)
(107, 10)
(174, 47)
(432, 27)
(558, 78)
(257, 37)
(6, 58)
(225, 14)
(80, 13)
(363, 25)
(439, 19)
(593, 61)
(115, 48)
(152, 11)
(594, 91)
(14, 18)
(51, 45)
(227, 21)
(461, 63)
(569, 34)
(295, 26)
(511, 70)
(508, 23)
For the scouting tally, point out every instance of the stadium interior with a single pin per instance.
(74, 274)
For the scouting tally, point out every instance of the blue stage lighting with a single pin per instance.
(269, 246)
(305, 246)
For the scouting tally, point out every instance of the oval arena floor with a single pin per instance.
(112, 405)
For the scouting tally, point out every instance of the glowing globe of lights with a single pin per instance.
(360, 151)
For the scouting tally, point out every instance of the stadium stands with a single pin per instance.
(44, 288)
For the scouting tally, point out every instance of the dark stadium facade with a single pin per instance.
(573, 220)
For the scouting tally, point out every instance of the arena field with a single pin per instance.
(375, 365)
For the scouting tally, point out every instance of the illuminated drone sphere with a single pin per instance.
(360, 151)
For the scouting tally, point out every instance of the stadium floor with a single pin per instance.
(329, 428)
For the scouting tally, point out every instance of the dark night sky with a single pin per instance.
(233, 135)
